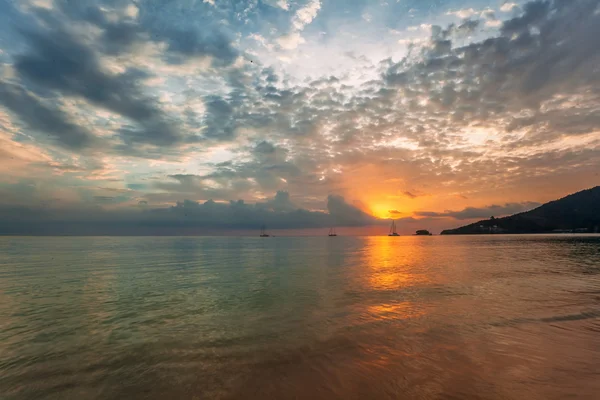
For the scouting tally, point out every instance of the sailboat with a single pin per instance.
(263, 232)
(332, 232)
(393, 229)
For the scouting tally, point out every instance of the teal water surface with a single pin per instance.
(478, 317)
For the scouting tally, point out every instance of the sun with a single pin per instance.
(380, 210)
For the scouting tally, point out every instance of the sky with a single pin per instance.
(216, 116)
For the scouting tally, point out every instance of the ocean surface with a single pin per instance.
(469, 317)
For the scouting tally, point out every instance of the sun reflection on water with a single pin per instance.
(392, 270)
(395, 311)
(392, 263)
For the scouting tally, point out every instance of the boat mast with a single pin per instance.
(393, 231)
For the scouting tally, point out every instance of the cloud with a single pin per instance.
(503, 76)
(185, 217)
(120, 35)
(47, 4)
(290, 41)
(306, 14)
(464, 13)
(21, 159)
(302, 17)
(89, 68)
(485, 212)
(535, 13)
(283, 4)
(190, 43)
(43, 117)
(58, 61)
(280, 203)
(508, 7)
(219, 119)
(344, 214)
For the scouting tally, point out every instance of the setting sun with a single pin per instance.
(381, 210)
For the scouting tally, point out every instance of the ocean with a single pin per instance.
(442, 317)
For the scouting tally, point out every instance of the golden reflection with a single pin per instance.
(395, 311)
(394, 267)
(393, 262)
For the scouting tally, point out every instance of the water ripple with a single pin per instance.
(501, 317)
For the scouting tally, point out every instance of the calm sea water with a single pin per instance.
(489, 317)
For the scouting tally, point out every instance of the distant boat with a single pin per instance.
(263, 232)
(332, 232)
(423, 232)
(393, 229)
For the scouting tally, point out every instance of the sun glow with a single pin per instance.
(381, 210)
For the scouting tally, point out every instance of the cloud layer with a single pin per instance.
(470, 213)
(183, 218)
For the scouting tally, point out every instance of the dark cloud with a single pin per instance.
(409, 194)
(220, 122)
(185, 216)
(58, 61)
(280, 203)
(189, 43)
(184, 41)
(43, 117)
(485, 212)
(119, 38)
(344, 214)
(62, 60)
(535, 14)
